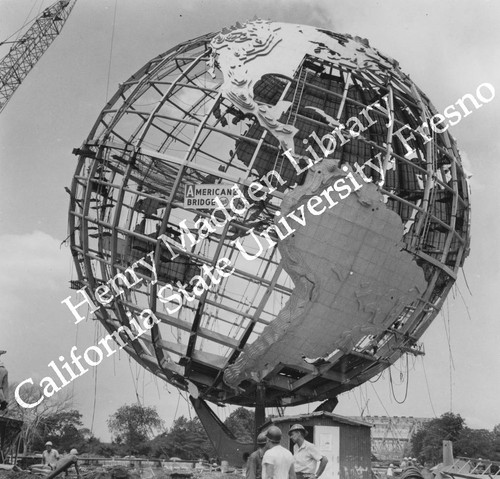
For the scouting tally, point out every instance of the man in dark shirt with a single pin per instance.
(254, 463)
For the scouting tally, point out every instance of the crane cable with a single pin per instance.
(26, 22)
(111, 50)
(428, 389)
(95, 331)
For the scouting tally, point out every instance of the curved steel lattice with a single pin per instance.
(176, 122)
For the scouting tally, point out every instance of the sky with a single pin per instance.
(448, 48)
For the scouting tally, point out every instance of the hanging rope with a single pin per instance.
(463, 300)
(76, 344)
(96, 336)
(357, 403)
(428, 389)
(378, 397)
(134, 381)
(177, 407)
(377, 378)
(407, 383)
(447, 330)
(466, 282)
(452, 365)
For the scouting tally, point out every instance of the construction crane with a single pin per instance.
(27, 50)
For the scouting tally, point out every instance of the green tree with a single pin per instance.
(474, 443)
(496, 443)
(91, 444)
(186, 439)
(135, 425)
(427, 442)
(63, 429)
(38, 421)
(241, 423)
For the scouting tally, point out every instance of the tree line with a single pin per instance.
(426, 443)
(138, 430)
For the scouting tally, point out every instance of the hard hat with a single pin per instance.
(391, 465)
(73, 451)
(261, 438)
(48, 443)
(298, 427)
(274, 434)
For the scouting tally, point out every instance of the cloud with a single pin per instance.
(32, 262)
(227, 12)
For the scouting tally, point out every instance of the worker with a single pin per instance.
(4, 385)
(64, 464)
(306, 455)
(390, 471)
(254, 462)
(277, 462)
(50, 456)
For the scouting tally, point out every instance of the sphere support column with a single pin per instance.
(260, 410)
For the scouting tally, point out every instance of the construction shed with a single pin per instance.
(10, 430)
(344, 441)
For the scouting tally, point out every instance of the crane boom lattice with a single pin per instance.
(28, 49)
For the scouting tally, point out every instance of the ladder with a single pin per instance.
(297, 96)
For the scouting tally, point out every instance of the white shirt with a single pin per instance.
(281, 459)
(50, 458)
(306, 457)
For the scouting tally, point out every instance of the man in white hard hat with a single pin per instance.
(306, 455)
(277, 462)
(50, 456)
(68, 461)
(64, 464)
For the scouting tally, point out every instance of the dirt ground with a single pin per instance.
(122, 473)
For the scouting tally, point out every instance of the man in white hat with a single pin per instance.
(277, 462)
(50, 456)
(306, 455)
(64, 464)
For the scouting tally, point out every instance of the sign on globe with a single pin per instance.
(198, 196)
